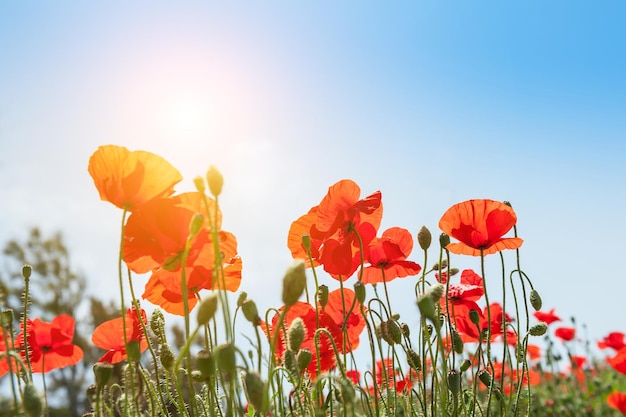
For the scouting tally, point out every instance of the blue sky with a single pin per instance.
(431, 102)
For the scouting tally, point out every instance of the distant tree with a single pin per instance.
(55, 288)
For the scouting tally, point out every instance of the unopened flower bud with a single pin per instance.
(454, 271)
(427, 307)
(424, 238)
(535, 300)
(167, 358)
(538, 329)
(205, 362)
(195, 225)
(243, 296)
(413, 359)
(290, 362)
(306, 243)
(27, 270)
(294, 283)
(304, 359)
(207, 309)
(250, 312)
(485, 378)
(457, 342)
(454, 382)
(322, 295)
(359, 290)
(444, 240)
(215, 180)
(225, 359)
(474, 317)
(406, 331)
(199, 183)
(390, 332)
(33, 404)
(157, 323)
(346, 391)
(102, 372)
(295, 334)
(255, 388)
(465, 365)
(6, 318)
(435, 292)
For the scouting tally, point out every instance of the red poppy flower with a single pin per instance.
(469, 330)
(340, 228)
(387, 377)
(387, 257)
(130, 179)
(462, 297)
(337, 309)
(617, 400)
(110, 336)
(479, 226)
(618, 362)
(50, 344)
(614, 340)
(548, 317)
(565, 333)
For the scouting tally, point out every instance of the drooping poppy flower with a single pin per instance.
(547, 317)
(387, 257)
(50, 344)
(340, 229)
(617, 400)
(129, 179)
(565, 333)
(462, 297)
(110, 336)
(479, 225)
(614, 340)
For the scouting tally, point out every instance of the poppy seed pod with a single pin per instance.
(207, 309)
(255, 388)
(304, 359)
(294, 283)
(102, 372)
(295, 334)
(250, 312)
(538, 329)
(424, 238)
(27, 271)
(215, 180)
(199, 183)
(322, 295)
(454, 382)
(535, 300)
(33, 404)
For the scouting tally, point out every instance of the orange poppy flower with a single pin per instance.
(387, 257)
(479, 226)
(50, 344)
(337, 308)
(110, 336)
(617, 400)
(340, 227)
(129, 179)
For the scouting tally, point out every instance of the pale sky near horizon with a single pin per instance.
(431, 102)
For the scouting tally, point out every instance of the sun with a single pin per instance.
(190, 116)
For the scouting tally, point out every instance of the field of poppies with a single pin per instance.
(470, 354)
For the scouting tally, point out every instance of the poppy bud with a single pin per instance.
(454, 271)
(6, 318)
(390, 332)
(435, 292)
(413, 359)
(436, 266)
(322, 295)
(485, 378)
(427, 307)
(457, 342)
(243, 296)
(27, 271)
(195, 225)
(465, 365)
(359, 290)
(474, 317)
(304, 359)
(33, 404)
(133, 350)
(167, 358)
(250, 312)
(290, 362)
(295, 334)
(225, 359)
(294, 283)
(535, 300)
(406, 331)
(444, 240)
(255, 388)
(102, 372)
(346, 391)
(207, 309)
(454, 382)
(424, 238)
(538, 329)
(199, 183)
(306, 243)
(215, 180)
(205, 364)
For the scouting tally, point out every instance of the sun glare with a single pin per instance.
(192, 117)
